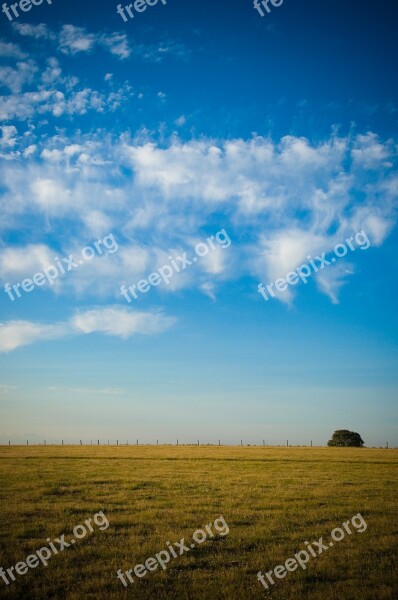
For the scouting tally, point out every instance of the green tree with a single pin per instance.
(345, 438)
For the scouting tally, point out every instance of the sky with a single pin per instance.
(198, 130)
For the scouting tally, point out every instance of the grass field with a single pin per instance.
(273, 500)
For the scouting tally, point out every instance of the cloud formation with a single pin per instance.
(282, 200)
(21, 333)
(114, 321)
(72, 40)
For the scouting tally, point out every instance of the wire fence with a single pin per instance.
(219, 443)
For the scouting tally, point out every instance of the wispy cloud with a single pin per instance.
(283, 199)
(102, 391)
(121, 322)
(39, 31)
(10, 50)
(159, 52)
(114, 321)
(15, 79)
(72, 40)
(15, 334)
(55, 96)
(6, 389)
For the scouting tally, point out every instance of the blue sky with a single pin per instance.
(190, 119)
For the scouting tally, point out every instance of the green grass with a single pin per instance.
(273, 499)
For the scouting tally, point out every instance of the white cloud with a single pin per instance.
(5, 389)
(15, 334)
(105, 391)
(21, 262)
(75, 39)
(36, 31)
(97, 221)
(181, 121)
(369, 152)
(9, 135)
(60, 103)
(49, 194)
(331, 280)
(208, 289)
(116, 43)
(279, 201)
(121, 322)
(36, 89)
(30, 150)
(284, 251)
(52, 74)
(16, 79)
(214, 263)
(10, 50)
(158, 52)
(115, 321)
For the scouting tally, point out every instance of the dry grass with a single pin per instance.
(273, 500)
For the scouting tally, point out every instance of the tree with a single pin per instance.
(345, 438)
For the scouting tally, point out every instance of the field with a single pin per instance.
(273, 500)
